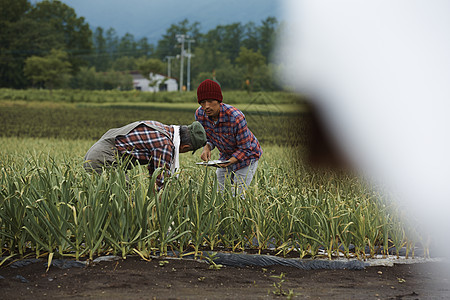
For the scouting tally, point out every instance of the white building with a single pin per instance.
(156, 83)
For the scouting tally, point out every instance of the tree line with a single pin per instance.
(46, 45)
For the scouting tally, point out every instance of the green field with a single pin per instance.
(49, 206)
(130, 97)
(90, 121)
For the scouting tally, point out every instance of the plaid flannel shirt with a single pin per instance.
(230, 135)
(148, 146)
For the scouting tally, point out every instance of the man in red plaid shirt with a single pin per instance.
(226, 128)
(145, 142)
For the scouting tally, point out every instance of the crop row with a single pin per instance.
(91, 122)
(50, 207)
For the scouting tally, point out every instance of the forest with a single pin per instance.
(46, 45)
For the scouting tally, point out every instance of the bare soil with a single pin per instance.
(135, 278)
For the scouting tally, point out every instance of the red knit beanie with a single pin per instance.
(209, 90)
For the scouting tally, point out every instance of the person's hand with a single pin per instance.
(206, 153)
(232, 160)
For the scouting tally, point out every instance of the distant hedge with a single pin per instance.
(114, 96)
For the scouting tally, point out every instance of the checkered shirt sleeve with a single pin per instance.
(149, 146)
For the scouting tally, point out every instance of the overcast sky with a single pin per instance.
(151, 18)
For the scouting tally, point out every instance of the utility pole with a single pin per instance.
(189, 55)
(181, 38)
(168, 65)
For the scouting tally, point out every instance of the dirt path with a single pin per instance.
(135, 278)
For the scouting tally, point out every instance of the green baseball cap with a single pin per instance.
(198, 135)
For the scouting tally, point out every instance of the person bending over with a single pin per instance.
(145, 142)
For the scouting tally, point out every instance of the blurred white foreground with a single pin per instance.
(379, 71)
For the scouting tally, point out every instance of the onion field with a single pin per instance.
(50, 207)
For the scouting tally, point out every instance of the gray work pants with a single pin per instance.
(240, 179)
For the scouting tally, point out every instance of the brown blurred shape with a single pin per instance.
(323, 151)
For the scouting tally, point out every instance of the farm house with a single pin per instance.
(156, 83)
